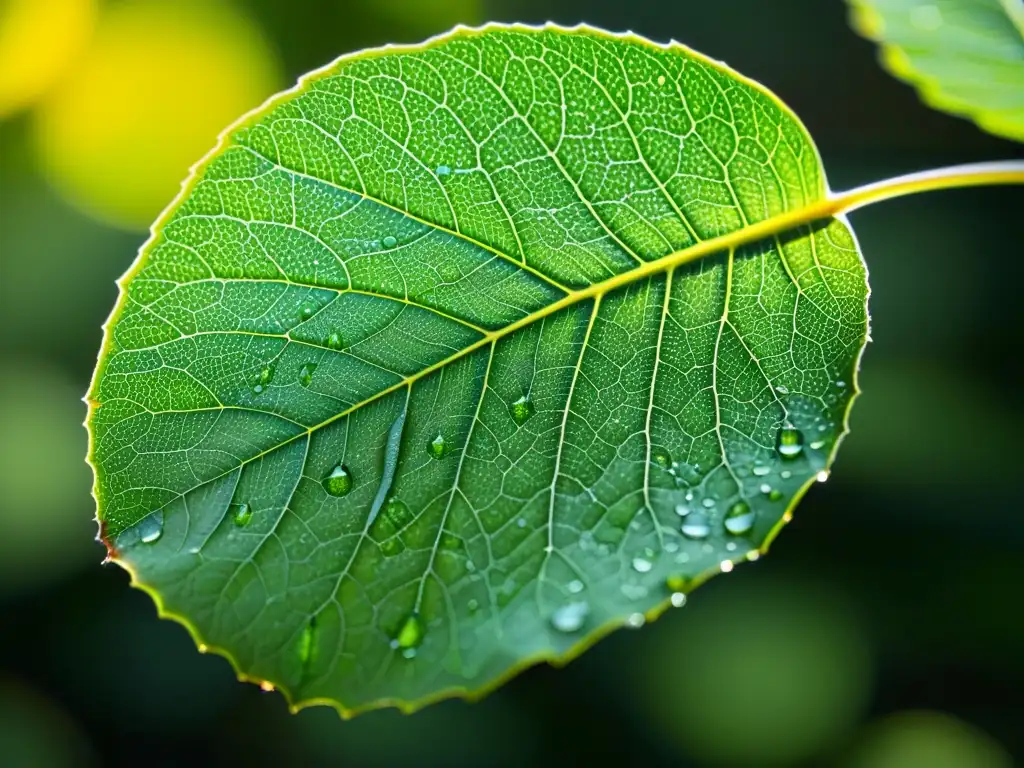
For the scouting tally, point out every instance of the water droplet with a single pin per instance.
(817, 445)
(762, 471)
(740, 518)
(307, 312)
(662, 459)
(390, 242)
(266, 686)
(782, 389)
(695, 526)
(438, 447)
(521, 409)
(334, 341)
(307, 642)
(575, 586)
(306, 374)
(151, 527)
(339, 482)
(775, 495)
(266, 375)
(682, 510)
(521, 522)
(678, 599)
(726, 566)
(790, 442)
(676, 583)
(822, 476)
(708, 503)
(443, 170)
(411, 634)
(570, 617)
(391, 547)
(635, 620)
(641, 565)
(785, 474)
(765, 488)
(661, 79)
(241, 514)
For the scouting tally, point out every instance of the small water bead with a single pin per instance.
(339, 482)
(726, 566)
(151, 527)
(790, 443)
(682, 510)
(782, 389)
(266, 375)
(762, 471)
(473, 605)
(266, 686)
(708, 503)
(307, 312)
(678, 599)
(306, 374)
(307, 642)
(641, 565)
(661, 79)
(570, 617)
(785, 474)
(740, 518)
(443, 170)
(689, 496)
(575, 586)
(775, 495)
(521, 409)
(334, 341)
(695, 526)
(765, 488)
(635, 620)
(438, 447)
(671, 546)
(389, 241)
(822, 476)
(241, 514)
(411, 635)
(731, 546)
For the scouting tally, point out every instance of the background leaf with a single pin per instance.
(964, 56)
(391, 405)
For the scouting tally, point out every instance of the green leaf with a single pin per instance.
(964, 56)
(458, 356)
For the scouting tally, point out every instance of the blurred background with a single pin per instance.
(885, 629)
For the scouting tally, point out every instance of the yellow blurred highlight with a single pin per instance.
(775, 672)
(156, 87)
(39, 40)
(927, 740)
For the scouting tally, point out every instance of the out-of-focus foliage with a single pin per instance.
(146, 100)
(964, 56)
(39, 41)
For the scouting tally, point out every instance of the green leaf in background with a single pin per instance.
(964, 56)
(458, 356)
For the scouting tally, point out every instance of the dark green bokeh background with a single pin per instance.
(897, 587)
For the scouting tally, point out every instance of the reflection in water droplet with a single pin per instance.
(740, 518)
(307, 642)
(241, 514)
(334, 341)
(640, 565)
(151, 527)
(570, 617)
(676, 583)
(695, 526)
(410, 635)
(306, 374)
(389, 242)
(635, 620)
(575, 586)
(437, 447)
(339, 482)
(678, 599)
(521, 409)
(790, 442)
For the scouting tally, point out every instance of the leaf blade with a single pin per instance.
(470, 526)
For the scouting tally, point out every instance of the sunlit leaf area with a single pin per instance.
(880, 631)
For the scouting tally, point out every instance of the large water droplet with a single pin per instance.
(389, 241)
(695, 526)
(334, 341)
(521, 409)
(151, 527)
(306, 374)
(570, 617)
(438, 447)
(307, 311)
(642, 565)
(410, 635)
(790, 442)
(740, 518)
(241, 514)
(307, 642)
(339, 482)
